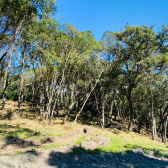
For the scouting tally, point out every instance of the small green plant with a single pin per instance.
(34, 149)
(97, 133)
(54, 145)
(61, 134)
(81, 139)
(80, 150)
(13, 134)
(51, 146)
(18, 152)
(131, 166)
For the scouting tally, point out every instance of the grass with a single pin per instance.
(61, 134)
(119, 144)
(81, 139)
(80, 150)
(120, 141)
(53, 133)
(11, 131)
(54, 145)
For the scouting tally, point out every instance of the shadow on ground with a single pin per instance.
(87, 158)
(80, 157)
(14, 135)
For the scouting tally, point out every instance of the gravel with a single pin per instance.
(52, 158)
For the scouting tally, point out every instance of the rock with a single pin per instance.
(101, 140)
(151, 153)
(164, 159)
(122, 154)
(11, 147)
(139, 151)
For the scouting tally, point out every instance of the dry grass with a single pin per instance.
(29, 130)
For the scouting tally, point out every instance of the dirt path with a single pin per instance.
(59, 158)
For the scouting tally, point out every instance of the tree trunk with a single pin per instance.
(2, 74)
(131, 109)
(164, 125)
(97, 107)
(21, 81)
(14, 37)
(7, 77)
(164, 130)
(118, 111)
(50, 113)
(103, 106)
(115, 110)
(41, 103)
(10, 59)
(87, 97)
(69, 110)
(154, 133)
(61, 99)
(111, 108)
(81, 109)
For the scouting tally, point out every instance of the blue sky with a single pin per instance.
(102, 15)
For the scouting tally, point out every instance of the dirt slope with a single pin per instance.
(59, 158)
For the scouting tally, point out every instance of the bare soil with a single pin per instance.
(59, 158)
(41, 146)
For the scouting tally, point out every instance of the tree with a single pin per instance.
(14, 15)
(135, 49)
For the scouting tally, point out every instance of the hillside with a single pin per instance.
(27, 133)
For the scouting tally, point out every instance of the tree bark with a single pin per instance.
(10, 59)
(97, 107)
(2, 74)
(3, 56)
(154, 133)
(131, 109)
(21, 80)
(111, 108)
(69, 110)
(103, 107)
(41, 103)
(164, 125)
(82, 106)
(7, 77)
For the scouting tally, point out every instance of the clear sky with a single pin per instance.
(102, 15)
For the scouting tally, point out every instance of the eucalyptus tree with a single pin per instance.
(94, 71)
(77, 80)
(61, 52)
(79, 69)
(14, 15)
(43, 59)
(24, 44)
(110, 82)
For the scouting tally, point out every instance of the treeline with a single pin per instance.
(58, 67)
